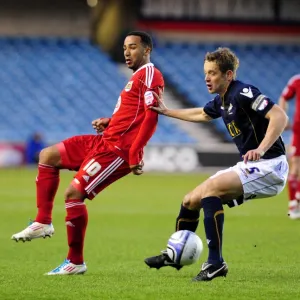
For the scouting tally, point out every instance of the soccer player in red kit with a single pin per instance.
(292, 90)
(98, 159)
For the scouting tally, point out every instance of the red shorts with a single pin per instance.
(295, 146)
(97, 166)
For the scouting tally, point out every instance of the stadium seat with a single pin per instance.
(57, 86)
(182, 65)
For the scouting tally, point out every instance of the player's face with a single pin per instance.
(215, 80)
(135, 53)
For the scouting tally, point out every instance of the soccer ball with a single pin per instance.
(184, 247)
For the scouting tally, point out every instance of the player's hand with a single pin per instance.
(100, 124)
(253, 155)
(161, 108)
(137, 169)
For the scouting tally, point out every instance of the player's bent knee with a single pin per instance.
(50, 156)
(44, 155)
(192, 200)
(186, 200)
(72, 193)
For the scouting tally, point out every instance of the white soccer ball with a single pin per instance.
(184, 247)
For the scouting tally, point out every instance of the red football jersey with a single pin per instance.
(129, 114)
(291, 90)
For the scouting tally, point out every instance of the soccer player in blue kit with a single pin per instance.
(255, 124)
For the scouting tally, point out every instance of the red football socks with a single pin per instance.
(292, 186)
(76, 222)
(297, 191)
(47, 182)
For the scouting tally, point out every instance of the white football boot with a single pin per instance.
(34, 231)
(294, 210)
(68, 268)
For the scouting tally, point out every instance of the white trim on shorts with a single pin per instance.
(104, 174)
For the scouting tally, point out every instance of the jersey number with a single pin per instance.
(92, 167)
(252, 170)
(233, 129)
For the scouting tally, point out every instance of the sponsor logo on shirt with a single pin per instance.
(259, 103)
(247, 92)
(263, 105)
(148, 98)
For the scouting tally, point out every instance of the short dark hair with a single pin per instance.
(145, 38)
(225, 59)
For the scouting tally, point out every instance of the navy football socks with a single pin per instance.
(213, 224)
(187, 219)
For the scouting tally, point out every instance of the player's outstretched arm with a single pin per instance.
(189, 114)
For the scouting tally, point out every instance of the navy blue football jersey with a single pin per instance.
(243, 109)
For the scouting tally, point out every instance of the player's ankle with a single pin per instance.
(42, 220)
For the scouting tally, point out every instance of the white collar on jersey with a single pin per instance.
(144, 66)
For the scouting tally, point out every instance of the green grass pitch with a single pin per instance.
(133, 219)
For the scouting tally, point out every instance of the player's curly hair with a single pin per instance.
(145, 38)
(225, 59)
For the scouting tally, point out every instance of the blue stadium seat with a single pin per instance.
(182, 65)
(57, 86)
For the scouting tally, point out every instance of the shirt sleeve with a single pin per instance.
(289, 91)
(211, 109)
(145, 133)
(153, 82)
(251, 98)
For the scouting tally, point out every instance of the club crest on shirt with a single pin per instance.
(128, 86)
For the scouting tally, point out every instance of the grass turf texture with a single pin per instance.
(133, 219)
